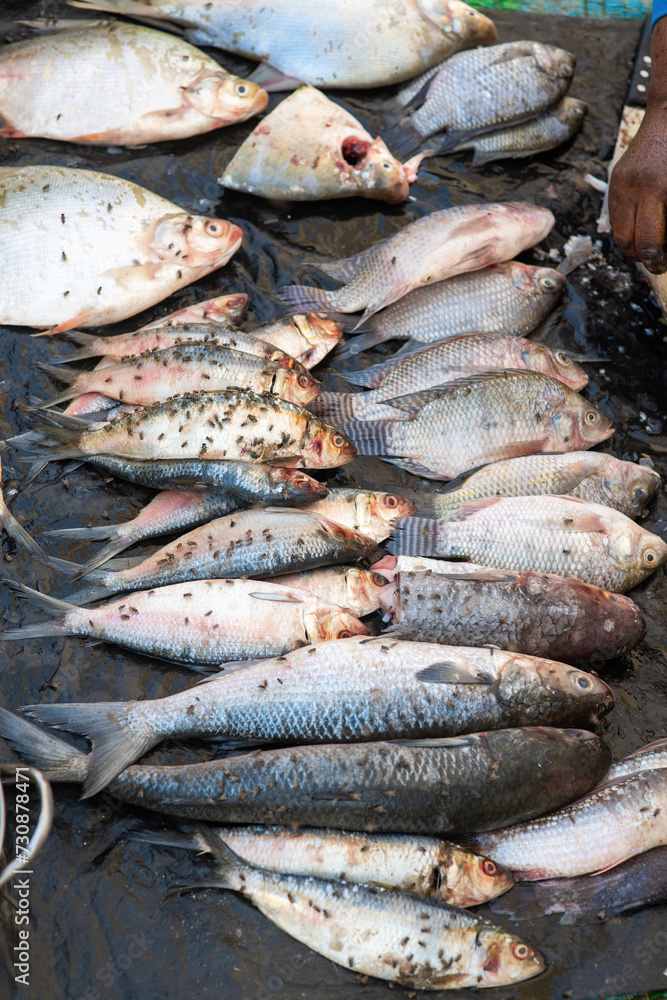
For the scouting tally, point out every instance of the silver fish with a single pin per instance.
(347, 691)
(510, 298)
(437, 246)
(547, 534)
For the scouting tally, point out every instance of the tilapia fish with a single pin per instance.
(306, 336)
(201, 622)
(585, 899)
(589, 475)
(371, 930)
(426, 367)
(509, 298)
(351, 587)
(538, 135)
(545, 534)
(247, 481)
(424, 866)
(111, 83)
(309, 148)
(154, 376)
(202, 335)
(106, 247)
(453, 428)
(346, 691)
(226, 310)
(485, 89)
(492, 779)
(171, 510)
(246, 543)
(235, 424)
(437, 246)
(625, 815)
(373, 513)
(536, 613)
(341, 43)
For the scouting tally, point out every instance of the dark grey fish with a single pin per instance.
(480, 781)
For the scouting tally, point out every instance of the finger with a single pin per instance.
(650, 234)
(622, 212)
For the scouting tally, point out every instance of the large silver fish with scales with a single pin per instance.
(546, 534)
(437, 246)
(347, 691)
(106, 247)
(338, 43)
(455, 427)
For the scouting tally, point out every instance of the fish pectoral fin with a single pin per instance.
(441, 743)
(13, 133)
(132, 275)
(281, 598)
(84, 318)
(452, 673)
(112, 136)
(413, 466)
(272, 79)
(396, 292)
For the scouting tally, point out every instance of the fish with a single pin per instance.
(107, 248)
(348, 586)
(364, 929)
(234, 424)
(509, 298)
(156, 339)
(309, 148)
(351, 690)
(373, 513)
(345, 43)
(437, 246)
(455, 427)
(17, 532)
(308, 337)
(251, 482)
(548, 130)
(528, 612)
(113, 83)
(170, 510)
(457, 357)
(226, 310)
(170, 623)
(425, 866)
(624, 815)
(586, 899)
(155, 376)
(589, 475)
(344, 785)
(246, 543)
(549, 534)
(481, 91)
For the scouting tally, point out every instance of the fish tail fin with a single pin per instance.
(307, 298)
(118, 733)
(19, 535)
(38, 465)
(49, 604)
(90, 594)
(94, 534)
(403, 139)
(230, 868)
(90, 569)
(75, 570)
(63, 374)
(187, 840)
(370, 437)
(370, 378)
(59, 761)
(335, 406)
(415, 536)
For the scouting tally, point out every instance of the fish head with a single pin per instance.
(325, 447)
(374, 171)
(326, 622)
(555, 62)
(194, 241)
(384, 510)
(225, 98)
(297, 486)
(592, 697)
(386, 567)
(533, 221)
(645, 551)
(461, 878)
(534, 281)
(502, 958)
(538, 684)
(572, 112)
(233, 307)
(295, 386)
(321, 333)
(456, 18)
(557, 364)
(580, 425)
(628, 485)
(362, 587)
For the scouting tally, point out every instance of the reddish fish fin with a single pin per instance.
(13, 133)
(85, 317)
(111, 137)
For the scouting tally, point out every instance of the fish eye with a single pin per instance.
(241, 89)
(345, 634)
(386, 166)
(391, 501)
(548, 283)
(563, 358)
(338, 440)
(489, 867)
(640, 493)
(566, 69)
(650, 556)
(378, 579)
(303, 381)
(213, 228)
(520, 950)
(591, 417)
(584, 682)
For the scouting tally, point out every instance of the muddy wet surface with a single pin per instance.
(102, 926)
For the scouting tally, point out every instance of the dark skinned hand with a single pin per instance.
(638, 185)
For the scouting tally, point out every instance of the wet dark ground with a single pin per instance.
(101, 925)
